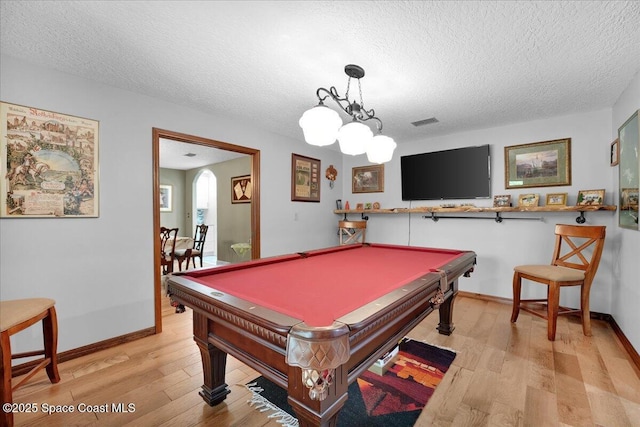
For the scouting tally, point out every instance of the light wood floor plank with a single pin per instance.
(504, 416)
(573, 403)
(541, 408)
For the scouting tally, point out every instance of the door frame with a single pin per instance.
(255, 200)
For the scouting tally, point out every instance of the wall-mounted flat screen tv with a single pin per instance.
(461, 173)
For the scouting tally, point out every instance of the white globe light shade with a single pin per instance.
(380, 149)
(320, 125)
(354, 138)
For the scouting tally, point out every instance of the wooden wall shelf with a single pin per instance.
(434, 211)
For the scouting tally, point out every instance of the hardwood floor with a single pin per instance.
(503, 375)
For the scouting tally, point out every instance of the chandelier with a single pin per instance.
(322, 126)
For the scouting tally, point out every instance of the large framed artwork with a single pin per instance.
(539, 164)
(305, 179)
(48, 164)
(367, 179)
(628, 169)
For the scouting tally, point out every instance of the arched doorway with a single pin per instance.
(205, 198)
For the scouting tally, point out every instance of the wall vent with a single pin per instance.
(425, 122)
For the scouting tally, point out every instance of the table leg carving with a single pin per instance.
(446, 327)
(214, 363)
(311, 412)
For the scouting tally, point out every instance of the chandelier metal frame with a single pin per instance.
(354, 109)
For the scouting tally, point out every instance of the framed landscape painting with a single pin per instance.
(539, 164)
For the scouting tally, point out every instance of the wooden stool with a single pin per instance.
(352, 232)
(15, 316)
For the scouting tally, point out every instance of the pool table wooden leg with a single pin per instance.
(214, 362)
(445, 327)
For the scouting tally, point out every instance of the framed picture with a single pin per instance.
(629, 200)
(503, 201)
(590, 197)
(557, 199)
(166, 198)
(539, 164)
(529, 199)
(368, 206)
(51, 162)
(629, 171)
(367, 179)
(241, 189)
(360, 206)
(615, 152)
(305, 179)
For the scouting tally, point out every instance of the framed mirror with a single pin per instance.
(628, 169)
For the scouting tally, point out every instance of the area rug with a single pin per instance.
(394, 399)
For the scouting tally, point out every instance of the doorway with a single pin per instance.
(158, 135)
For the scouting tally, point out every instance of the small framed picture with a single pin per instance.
(590, 197)
(339, 204)
(528, 199)
(305, 179)
(360, 206)
(241, 189)
(367, 179)
(502, 201)
(615, 153)
(368, 206)
(557, 199)
(166, 196)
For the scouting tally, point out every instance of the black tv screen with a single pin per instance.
(462, 173)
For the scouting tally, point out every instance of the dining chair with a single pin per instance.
(15, 316)
(576, 257)
(167, 249)
(196, 251)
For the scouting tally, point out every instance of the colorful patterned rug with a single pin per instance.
(394, 399)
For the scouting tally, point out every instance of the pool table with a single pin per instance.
(312, 322)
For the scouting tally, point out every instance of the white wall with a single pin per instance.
(626, 250)
(100, 270)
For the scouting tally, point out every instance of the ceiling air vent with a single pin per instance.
(425, 122)
(190, 155)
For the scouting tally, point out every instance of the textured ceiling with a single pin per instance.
(181, 156)
(469, 64)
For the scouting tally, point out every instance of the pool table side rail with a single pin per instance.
(460, 266)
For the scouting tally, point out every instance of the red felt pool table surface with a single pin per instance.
(323, 285)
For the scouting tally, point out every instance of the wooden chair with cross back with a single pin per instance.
(576, 257)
